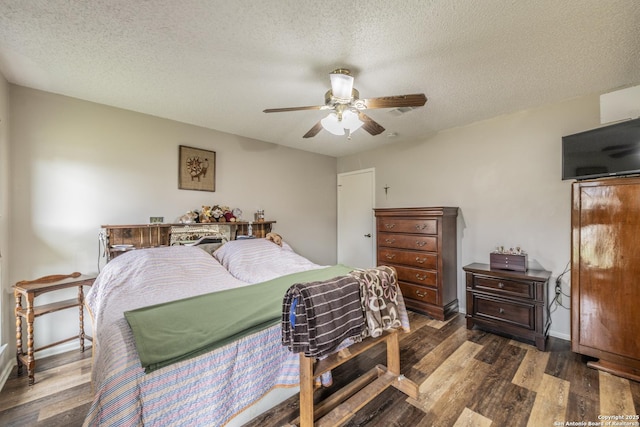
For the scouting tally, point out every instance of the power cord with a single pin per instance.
(557, 299)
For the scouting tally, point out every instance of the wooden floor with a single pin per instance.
(466, 378)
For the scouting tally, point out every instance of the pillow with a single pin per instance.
(259, 260)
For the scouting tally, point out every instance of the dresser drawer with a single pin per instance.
(403, 241)
(419, 293)
(500, 286)
(519, 314)
(416, 259)
(420, 226)
(416, 275)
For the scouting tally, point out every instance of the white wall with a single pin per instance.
(505, 176)
(77, 165)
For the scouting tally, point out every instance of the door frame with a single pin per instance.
(371, 171)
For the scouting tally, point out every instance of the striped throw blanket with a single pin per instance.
(318, 316)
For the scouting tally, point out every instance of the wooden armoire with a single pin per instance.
(605, 274)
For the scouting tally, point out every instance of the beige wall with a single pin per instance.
(77, 165)
(7, 332)
(505, 176)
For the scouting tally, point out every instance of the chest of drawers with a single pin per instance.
(508, 302)
(420, 243)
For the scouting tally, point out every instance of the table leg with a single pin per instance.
(31, 361)
(18, 297)
(81, 307)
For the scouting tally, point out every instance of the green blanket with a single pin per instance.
(177, 330)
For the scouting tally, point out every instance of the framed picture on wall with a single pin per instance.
(196, 169)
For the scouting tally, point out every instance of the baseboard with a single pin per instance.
(560, 335)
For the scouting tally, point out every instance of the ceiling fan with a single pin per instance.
(346, 107)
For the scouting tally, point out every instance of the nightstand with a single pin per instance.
(509, 302)
(29, 290)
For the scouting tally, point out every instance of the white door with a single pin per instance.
(356, 221)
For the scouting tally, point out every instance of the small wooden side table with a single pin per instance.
(30, 289)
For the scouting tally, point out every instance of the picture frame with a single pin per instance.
(196, 169)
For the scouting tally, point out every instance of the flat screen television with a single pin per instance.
(607, 151)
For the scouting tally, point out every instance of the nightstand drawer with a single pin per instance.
(416, 259)
(519, 314)
(500, 286)
(421, 243)
(420, 226)
(420, 293)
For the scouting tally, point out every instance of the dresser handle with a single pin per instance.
(419, 277)
(420, 260)
(389, 226)
(390, 256)
(501, 285)
(421, 226)
(421, 294)
(389, 240)
(420, 244)
(501, 310)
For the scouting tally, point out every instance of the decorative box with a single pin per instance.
(515, 262)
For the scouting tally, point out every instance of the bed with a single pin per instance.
(208, 389)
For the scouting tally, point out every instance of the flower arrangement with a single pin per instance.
(209, 213)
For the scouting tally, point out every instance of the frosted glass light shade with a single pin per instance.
(350, 121)
(341, 85)
(332, 124)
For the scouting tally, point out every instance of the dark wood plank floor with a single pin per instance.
(466, 378)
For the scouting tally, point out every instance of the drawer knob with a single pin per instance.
(389, 240)
(420, 277)
(389, 226)
(390, 256)
(421, 294)
(420, 260)
(421, 226)
(420, 244)
(501, 310)
(501, 285)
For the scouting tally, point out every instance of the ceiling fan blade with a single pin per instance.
(624, 153)
(370, 125)
(312, 107)
(620, 146)
(413, 100)
(313, 131)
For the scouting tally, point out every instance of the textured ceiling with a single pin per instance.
(218, 64)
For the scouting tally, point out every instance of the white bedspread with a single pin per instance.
(210, 388)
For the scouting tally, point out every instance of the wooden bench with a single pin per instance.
(343, 404)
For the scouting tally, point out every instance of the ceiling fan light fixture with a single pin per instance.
(350, 122)
(341, 84)
(332, 124)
